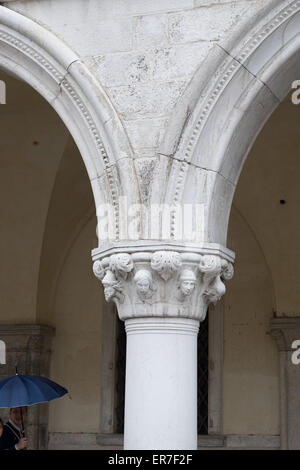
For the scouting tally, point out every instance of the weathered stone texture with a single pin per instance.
(151, 99)
(151, 31)
(145, 134)
(144, 53)
(205, 24)
(161, 64)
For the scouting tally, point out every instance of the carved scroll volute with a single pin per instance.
(214, 269)
(98, 270)
(166, 263)
(227, 270)
(121, 265)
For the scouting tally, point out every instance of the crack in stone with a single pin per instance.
(249, 71)
(63, 78)
(172, 156)
(73, 62)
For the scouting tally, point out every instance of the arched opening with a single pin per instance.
(264, 232)
(51, 307)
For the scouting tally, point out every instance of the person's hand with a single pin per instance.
(22, 443)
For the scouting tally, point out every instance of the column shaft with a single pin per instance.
(161, 384)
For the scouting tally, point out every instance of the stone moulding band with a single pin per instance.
(145, 248)
(161, 325)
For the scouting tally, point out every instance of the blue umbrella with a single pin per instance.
(25, 390)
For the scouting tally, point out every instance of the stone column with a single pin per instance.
(285, 331)
(29, 348)
(162, 295)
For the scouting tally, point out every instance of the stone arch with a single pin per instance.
(35, 55)
(254, 73)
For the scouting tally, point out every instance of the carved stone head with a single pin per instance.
(187, 282)
(144, 283)
(112, 288)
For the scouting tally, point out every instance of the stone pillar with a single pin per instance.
(161, 384)
(285, 331)
(162, 295)
(29, 347)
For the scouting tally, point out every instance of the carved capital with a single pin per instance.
(166, 263)
(163, 282)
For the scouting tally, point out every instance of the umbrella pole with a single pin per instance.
(23, 432)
